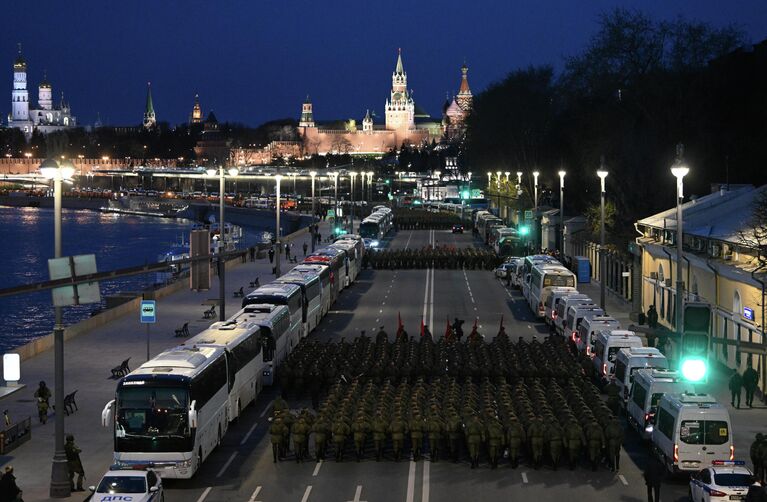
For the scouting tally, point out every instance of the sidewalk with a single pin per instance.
(91, 356)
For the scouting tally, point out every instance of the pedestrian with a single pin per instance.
(306, 248)
(252, 253)
(756, 492)
(319, 238)
(271, 254)
(287, 250)
(750, 382)
(736, 387)
(757, 451)
(74, 465)
(652, 317)
(653, 477)
(42, 395)
(9, 491)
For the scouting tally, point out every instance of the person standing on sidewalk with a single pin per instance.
(74, 464)
(736, 387)
(9, 490)
(757, 452)
(271, 254)
(653, 477)
(750, 381)
(42, 394)
(306, 248)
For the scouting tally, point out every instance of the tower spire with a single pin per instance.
(150, 119)
(400, 68)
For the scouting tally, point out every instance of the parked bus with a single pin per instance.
(311, 290)
(353, 260)
(336, 260)
(544, 277)
(281, 294)
(323, 272)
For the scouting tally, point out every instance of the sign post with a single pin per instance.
(148, 315)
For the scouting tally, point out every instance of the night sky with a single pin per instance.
(255, 60)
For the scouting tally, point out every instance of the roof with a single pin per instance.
(211, 118)
(721, 215)
(399, 68)
(464, 89)
(149, 104)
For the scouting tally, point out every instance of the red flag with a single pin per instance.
(422, 328)
(399, 321)
(448, 329)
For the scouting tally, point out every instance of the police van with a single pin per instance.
(632, 359)
(555, 296)
(560, 320)
(691, 432)
(588, 329)
(575, 315)
(606, 349)
(649, 386)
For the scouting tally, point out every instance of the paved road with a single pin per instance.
(242, 468)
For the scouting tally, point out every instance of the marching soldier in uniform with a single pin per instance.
(575, 441)
(74, 465)
(416, 435)
(536, 433)
(398, 429)
(435, 428)
(516, 437)
(340, 431)
(277, 432)
(596, 441)
(454, 429)
(494, 441)
(475, 436)
(321, 430)
(556, 442)
(380, 427)
(300, 433)
(360, 429)
(614, 435)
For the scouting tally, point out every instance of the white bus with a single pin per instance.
(324, 272)
(542, 279)
(281, 294)
(311, 290)
(352, 261)
(172, 411)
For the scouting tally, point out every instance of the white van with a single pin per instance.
(649, 386)
(576, 313)
(560, 321)
(630, 360)
(606, 349)
(691, 431)
(543, 277)
(550, 303)
(588, 329)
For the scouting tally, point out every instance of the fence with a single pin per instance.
(616, 265)
(15, 435)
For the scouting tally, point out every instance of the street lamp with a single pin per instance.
(233, 171)
(562, 174)
(602, 173)
(277, 232)
(535, 185)
(679, 170)
(60, 486)
(507, 173)
(519, 178)
(489, 179)
(498, 178)
(370, 187)
(353, 174)
(335, 199)
(313, 174)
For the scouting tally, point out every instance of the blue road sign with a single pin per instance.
(148, 311)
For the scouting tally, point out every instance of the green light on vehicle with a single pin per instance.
(694, 369)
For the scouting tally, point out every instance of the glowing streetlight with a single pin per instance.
(221, 234)
(602, 173)
(562, 174)
(313, 174)
(679, 169)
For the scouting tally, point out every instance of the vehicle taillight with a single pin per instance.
(604, 369)
(716, 493)
(540, 307)
(649, 418)
(676, 452)
(732, 452)
(553, 314)
(588, 350)
(575, 335)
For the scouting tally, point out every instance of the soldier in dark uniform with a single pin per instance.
(416, 427)
(435, 428)
(74, 465)
(516, 437)
(359, 429)
(454, 427)
(575, 441)
(495, 437)
(300, 434)
(340, 432)
(321, 429)
(398, 429)
(380, 427)
(556, 442)
(614, 435)
(537, 435)
(475, 436)
(596, 441)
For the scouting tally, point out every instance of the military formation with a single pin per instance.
(421, 219)
(501, 401)
(444, 257)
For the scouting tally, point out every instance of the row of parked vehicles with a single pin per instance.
(688, 431)
(493, 231)
(172, 411)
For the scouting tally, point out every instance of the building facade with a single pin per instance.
(720, 266)
(404, 123)
(46, 118)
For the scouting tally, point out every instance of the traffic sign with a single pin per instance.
(148, 312)
(528, 214)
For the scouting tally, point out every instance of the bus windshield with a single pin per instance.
(148, 415)
(558, 280)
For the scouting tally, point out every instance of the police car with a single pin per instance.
(136, 483)
(724, 480)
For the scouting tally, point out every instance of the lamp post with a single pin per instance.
(679, 170)
(602, 173)
(535, 186)
(498, 179)
(370, 187)
(60, 486)
(489, 179)
(507, 173)
(562, 174)
(335, 198)
(353, 174)
(313, 174)
(277, 231)
(221, 236)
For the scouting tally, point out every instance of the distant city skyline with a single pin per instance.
(251, 64)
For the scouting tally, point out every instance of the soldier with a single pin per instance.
(575, 440)
(277, 432)
(340, 431)
(279, 405)
(596, 441)
(74, 465)
(758, 447)
(398, 429)
(300, 434)
(417, 427)
(435, 428)
(321, 429)
(382, 336)
(42, 394)
(360, 429)
(515, 435)
(536, 433)
(736, 385)
(494, 441)
(380, 427)
(613, 395)
(750, 382)
(475, 436)
(556, 442)
(454, 427)
(287, 419)
(614, 434)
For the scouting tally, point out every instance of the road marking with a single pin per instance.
(306, 493)
(255, 494)
(524, 477)
(426, 488)
(266, 409)
(426, 294)
(623, 480)
(226, 465)
(411, 483)
(431, 302)
(408, 240)
(317, 468)
(204, 494)
(247, 436)
(357, 495)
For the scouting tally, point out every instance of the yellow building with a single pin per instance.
(720, 266)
